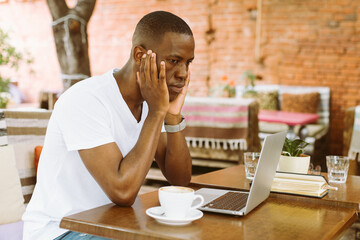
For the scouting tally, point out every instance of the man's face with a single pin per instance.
(177, 51)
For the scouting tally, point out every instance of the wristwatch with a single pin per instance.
(176, 128)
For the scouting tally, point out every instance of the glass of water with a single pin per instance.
(251, 160)
(338, 167)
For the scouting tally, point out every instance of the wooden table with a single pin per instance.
(279, 217)
(290, 118)
(347, 195)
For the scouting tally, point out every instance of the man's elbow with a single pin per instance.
(124, 202)
(124, 199)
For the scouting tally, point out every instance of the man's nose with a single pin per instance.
(182, 71)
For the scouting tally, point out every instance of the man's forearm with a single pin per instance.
(122, 176)
(134, 167)
(178, 162)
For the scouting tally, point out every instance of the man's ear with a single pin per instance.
(139, 51)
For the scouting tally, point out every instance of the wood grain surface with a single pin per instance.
(347, 195)
(281, 216)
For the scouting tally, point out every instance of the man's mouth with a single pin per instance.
(176, 89)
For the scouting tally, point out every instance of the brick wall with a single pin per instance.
(303, 42)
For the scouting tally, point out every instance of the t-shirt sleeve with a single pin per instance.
(84, 122)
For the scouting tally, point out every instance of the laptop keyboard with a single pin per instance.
(234, 201)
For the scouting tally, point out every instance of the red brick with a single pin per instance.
(298, 46)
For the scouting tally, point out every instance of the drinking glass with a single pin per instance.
(251, 160)
(338, 167)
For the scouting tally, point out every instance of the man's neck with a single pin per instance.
(126, 81)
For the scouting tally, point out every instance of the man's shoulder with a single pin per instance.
(89, 91)
(91, 85)
(97, 80)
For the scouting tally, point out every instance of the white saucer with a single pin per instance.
(158, 214)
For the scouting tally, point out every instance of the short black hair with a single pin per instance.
(155, 24)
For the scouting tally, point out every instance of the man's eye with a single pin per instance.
(173, 61)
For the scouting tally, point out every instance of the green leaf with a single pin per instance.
(294, 147)
(10, 57)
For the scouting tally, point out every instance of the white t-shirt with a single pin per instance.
(89, 114)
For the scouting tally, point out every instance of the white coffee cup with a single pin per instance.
(176, 201)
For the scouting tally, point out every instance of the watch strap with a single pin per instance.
(176, 128)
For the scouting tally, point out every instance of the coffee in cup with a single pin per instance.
(176, 201)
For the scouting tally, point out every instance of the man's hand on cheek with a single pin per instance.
(153, 85)
(178, 102)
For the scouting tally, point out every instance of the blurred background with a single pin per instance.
(287, 42)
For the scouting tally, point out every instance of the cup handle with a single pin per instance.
(201, 201)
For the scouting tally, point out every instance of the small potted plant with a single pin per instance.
(292, 158)
(5, 96)
(226, 88)
(249, 78)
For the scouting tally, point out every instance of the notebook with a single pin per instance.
(241, 203)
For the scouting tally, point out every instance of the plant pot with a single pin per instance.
(294, 164)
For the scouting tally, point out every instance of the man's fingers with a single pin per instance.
(187, 81)
(148, 67)
(162, 75)
(154, 72)
(142, 70)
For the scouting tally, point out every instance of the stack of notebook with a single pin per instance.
(300, 184)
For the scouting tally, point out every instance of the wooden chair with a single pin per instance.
(351, 133)
(351, 138)
(354, 148)
(47, 99)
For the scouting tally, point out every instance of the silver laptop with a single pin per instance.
(241, 203)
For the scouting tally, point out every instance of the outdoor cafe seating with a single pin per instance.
(25, 137)
(302, 99)
(21, 132)
(221, 128)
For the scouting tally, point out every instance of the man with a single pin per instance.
(105, 131)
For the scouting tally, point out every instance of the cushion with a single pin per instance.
(37, 153)
(268, 100)
(304, 103)
(270, 127)
(12, 231)
(24, 155)
(11, 198)
(313, 130)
